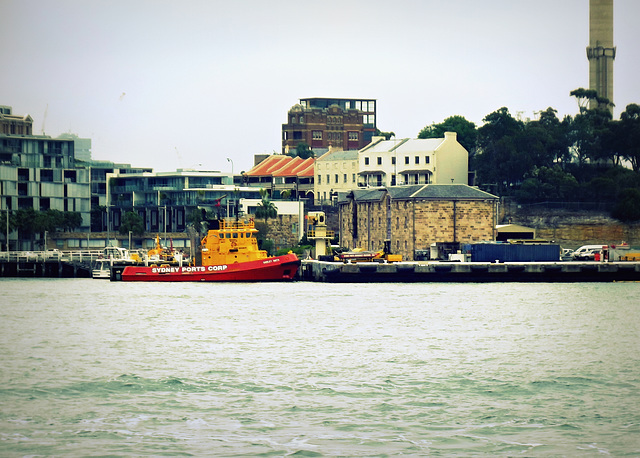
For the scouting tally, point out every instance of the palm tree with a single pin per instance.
(266, 209)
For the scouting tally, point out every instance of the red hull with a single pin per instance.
(277, 268)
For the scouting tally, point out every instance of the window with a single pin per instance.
(319, 179)
(426, 159)
(317, 135)
(393, 160)
(417, 159)
(328, 178)
(344, 178)
(366, 161)
(379, 160)
(353, 178)
(406, 159)
(353, 136)
(336, 177)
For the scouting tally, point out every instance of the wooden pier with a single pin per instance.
(455, 272)
(52, 264)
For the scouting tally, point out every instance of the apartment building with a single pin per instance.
(330, 122)
(39, 172)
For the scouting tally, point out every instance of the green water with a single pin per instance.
(90, 367)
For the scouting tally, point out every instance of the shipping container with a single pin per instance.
(508, 252)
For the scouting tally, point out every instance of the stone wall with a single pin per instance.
(571, 228)
(283, 230)
(415, 224)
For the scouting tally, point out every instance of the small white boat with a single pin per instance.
(101, 269)
(112, 255)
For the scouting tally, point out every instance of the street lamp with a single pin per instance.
(129, 240)
(230, 160)
(165, 225)
(7, 210)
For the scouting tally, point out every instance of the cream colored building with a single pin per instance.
(408, 161)
(335, 171)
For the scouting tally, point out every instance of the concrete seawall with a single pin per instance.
(334, 272)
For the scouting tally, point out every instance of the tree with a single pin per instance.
(498, 162)
(548, 184)
(629, 135)
(197, 220)
(386, 135)
(628, 207)
(71, 221)
(554, 136)
(266, 209)
(584, 97)
(302, 150)
(466, 130)
(591, 136)
(132, 222)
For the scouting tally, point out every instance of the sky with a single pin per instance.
(207, 84)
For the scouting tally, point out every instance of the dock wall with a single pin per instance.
(365, 272)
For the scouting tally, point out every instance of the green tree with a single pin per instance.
(591, 136)
(198, 221)
(629, 135)
(302, 150)
(466, 130)
(628, 207)
(71, 221)
(498, 162)
(133, 222)
(548, 184)
(386, 135)
(584, 97)
(28, 223)
(266, 209)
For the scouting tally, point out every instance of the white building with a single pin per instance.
(413, 161)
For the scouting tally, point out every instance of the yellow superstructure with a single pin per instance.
(231, 242)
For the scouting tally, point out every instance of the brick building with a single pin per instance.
(415, 217)
(347, 124)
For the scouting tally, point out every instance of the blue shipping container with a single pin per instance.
(507, 252)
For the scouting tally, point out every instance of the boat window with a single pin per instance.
(235, 235)
(228, 235)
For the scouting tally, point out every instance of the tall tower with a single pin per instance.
(601, 51)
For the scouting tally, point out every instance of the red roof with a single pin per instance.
(280, 165)
(268, 165)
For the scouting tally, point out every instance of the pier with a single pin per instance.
(438, 271)
(54, 264)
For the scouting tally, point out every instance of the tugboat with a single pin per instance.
(229, 253)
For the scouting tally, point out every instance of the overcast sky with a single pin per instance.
(176, 84)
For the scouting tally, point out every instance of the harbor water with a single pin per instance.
(91, 367)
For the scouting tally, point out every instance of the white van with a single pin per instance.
(586, 252)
